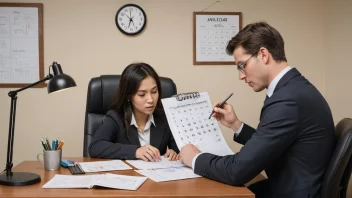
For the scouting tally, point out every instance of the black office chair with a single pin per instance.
(338, 173)
(101, 91)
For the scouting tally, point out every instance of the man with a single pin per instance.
(295, 137)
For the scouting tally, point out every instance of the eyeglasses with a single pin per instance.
(242, 65)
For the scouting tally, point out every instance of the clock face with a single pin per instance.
(130, 19)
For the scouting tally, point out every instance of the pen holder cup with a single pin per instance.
(51, 160)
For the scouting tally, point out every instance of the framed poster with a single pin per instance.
(211, 33)
(21, 44)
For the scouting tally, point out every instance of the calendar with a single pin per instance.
(212, 32)
(188, 118)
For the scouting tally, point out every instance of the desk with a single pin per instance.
(198, 187)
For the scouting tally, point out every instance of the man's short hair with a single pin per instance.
(257, 35)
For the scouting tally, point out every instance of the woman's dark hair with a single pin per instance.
(130, 81)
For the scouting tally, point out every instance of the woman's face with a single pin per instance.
(146, 98)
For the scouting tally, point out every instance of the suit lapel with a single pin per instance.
(133, 136)
(156, 132)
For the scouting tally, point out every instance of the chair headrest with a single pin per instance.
(342, 127)
(101, 92)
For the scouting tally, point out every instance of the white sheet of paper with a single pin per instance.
(88, 181)
(163, 163)
(99, 166)
(169, 174)
(70, 181)
(190, 124)
(119, 181)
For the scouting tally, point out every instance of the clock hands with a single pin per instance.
(130, 18)
(127, 16)
(133, 23)
(130, 23)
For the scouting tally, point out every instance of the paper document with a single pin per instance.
(163, 163)
(99, 166)
(89, 181)
(188, 118)
(169, 174)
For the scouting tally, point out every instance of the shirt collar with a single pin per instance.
(274, 82)
(148, 124)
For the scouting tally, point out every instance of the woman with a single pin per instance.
(135, 127)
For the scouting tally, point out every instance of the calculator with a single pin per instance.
(66, 163)
(75, 169)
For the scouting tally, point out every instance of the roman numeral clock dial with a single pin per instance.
(130, 19)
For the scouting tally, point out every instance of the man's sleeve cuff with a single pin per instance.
(194, 161)
(239, 130)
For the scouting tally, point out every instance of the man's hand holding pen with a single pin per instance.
(226, 116)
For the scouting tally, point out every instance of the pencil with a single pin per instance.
(61, 145)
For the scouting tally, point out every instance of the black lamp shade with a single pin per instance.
(60, 82)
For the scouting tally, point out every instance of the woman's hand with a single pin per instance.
(148, 153)
(171, 155)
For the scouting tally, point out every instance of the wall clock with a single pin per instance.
(130, 19)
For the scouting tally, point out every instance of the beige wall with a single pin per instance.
(339, 67)
(82, 37)
(338, 54)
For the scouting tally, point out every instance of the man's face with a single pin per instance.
(252, 70)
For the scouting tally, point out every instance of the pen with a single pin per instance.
(44, 144)
(53, 145)
(222, 104)
(57, 143)
(41, 141)
(47, 143)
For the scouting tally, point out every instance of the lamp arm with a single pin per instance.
(14, 93)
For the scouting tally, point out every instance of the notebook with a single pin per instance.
(188, 118)
(89, 181)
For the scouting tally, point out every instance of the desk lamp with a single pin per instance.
(58, 82)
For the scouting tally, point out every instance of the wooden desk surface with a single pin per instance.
(198, 187)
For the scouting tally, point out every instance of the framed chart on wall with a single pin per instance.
(211, 33)
(21, 44)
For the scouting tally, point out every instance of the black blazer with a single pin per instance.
(293, 143)
(111, 140)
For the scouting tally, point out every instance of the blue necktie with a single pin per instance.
(266, 98)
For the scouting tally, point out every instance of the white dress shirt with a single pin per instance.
(143, 136)
(269, 93)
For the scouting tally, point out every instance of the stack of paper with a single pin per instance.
(89, 181)
(168, 174)
(163, 163)
(99, 166)
(163, 170)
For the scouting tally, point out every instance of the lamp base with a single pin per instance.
(19, 179)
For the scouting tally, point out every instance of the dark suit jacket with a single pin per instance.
(111, 140)
(293, 143)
